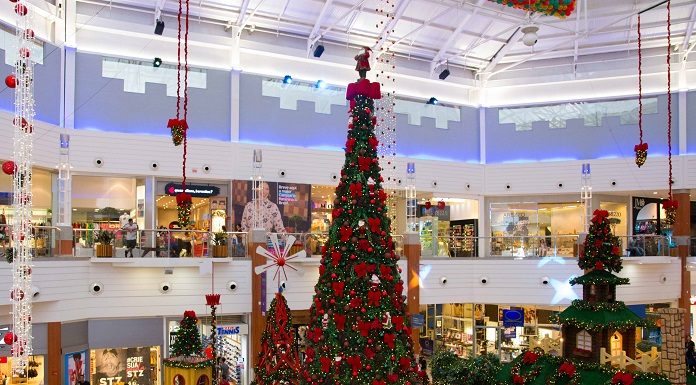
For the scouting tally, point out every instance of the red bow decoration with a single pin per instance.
(365, 328)
(360, 269)
(322, 269)
(378, 382)
(346, 233)
(350, 143)
(399, 288)
(181, 123)
(363, 87)
(670, 204)
(441, 205)
(599, 215)
(386, 272)
(355, 303)
(567, 368)
(404, 363)
(398, 322)
(364, 244)
(373, 142)
(530, 357)
(393, 377)
(364, 163)
(325, 364)
(616, 250)
(190, 314)
(335, 258)
(428, 205)
(356, 190)
(370, 354)
(517, 379)
(373, 298)
(316, 334)
(310, 354)
(338, 288)
(622, 378)
(599, 265)
(340, 321)
(375, 224)
(642, 146)
(371, 267)
(389, 340)
(382, 195)
(355, 363)
(182, 198)
(336, 213)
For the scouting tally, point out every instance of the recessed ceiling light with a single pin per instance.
(654, 192)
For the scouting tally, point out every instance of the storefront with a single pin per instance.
(505, 331)
(35, 373)
(232, 343)
(209, 210)
(543, 227)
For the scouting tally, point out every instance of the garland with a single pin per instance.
(641, 149)
(531, 366)
(594, 326)
(566, 371)
(599, 306)
(188, 365)
(671, 205)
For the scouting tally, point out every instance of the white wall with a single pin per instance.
(40, 186)
(100, 192)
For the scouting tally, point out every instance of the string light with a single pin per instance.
(22, 196)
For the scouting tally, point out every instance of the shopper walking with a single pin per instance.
(131, 230)
(690, 355)
(224, 369)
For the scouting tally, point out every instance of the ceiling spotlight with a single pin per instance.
(318, 50)
(530, 36)
(320, 84)
(287, 79)
(432, 101)
(157, 62)
(444, 74)
(159, 27)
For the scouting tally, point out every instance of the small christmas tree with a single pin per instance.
(188, 341)
(358, 332)
(278, 362)
(601, 245)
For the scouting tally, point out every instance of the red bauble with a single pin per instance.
(441, 205)
(8, 167)
(9, 338)
(11, 81)
(428, 205)
(21, 9)
(28, 33)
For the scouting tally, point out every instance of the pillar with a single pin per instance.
(61, 207)
(256, 238)
(412, 253)
(673, 355)
(681, 233)
(150, 220)
(54, 359)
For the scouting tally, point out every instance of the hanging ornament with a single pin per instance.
(671, 204)
(183, 206)
(428, 205)
(178, 128)
(9, 338)
(441, 205)
(641, 149)
(8, 167)
(11, 81)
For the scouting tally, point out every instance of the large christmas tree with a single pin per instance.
(278, 362)
(358, 332)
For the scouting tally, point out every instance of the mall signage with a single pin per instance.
(433, 211)
(228, 330)
(513, 318)
(199, 191)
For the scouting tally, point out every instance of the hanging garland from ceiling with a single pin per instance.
(670, 205)
(178, 125)
(558, 8)
(641, 149)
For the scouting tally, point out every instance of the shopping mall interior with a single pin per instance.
(461, 163)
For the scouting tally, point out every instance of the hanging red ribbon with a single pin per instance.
(670, 205)
(641, 149)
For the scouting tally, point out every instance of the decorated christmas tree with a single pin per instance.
(598, 320)
(358, 333)
(278, 362)
(187, 348)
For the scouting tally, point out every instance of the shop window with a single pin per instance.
(583, 341)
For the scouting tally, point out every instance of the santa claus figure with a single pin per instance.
(363, 62)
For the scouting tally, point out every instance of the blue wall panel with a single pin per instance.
(263, 121)
(46, 86)
(691, 122)
(102, 104)
(576, 141)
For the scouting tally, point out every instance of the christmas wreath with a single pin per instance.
(566, 370)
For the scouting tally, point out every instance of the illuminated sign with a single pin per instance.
(228, 330)
(200, 191)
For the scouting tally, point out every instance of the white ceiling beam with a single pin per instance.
(389, 27)
(317, 25)
(689, 30)
(503, 51)
(158, 8)
(242, 12)
(335, 23)
(454, 36)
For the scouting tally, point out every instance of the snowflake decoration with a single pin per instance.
(279, 258)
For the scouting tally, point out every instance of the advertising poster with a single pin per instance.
(122, 366)
(285, 207)
(75, 367)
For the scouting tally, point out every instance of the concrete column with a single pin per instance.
(673, 355)
(235, 76)
(412, 253)
(54, 359)
(256, 238)
(681, 233)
